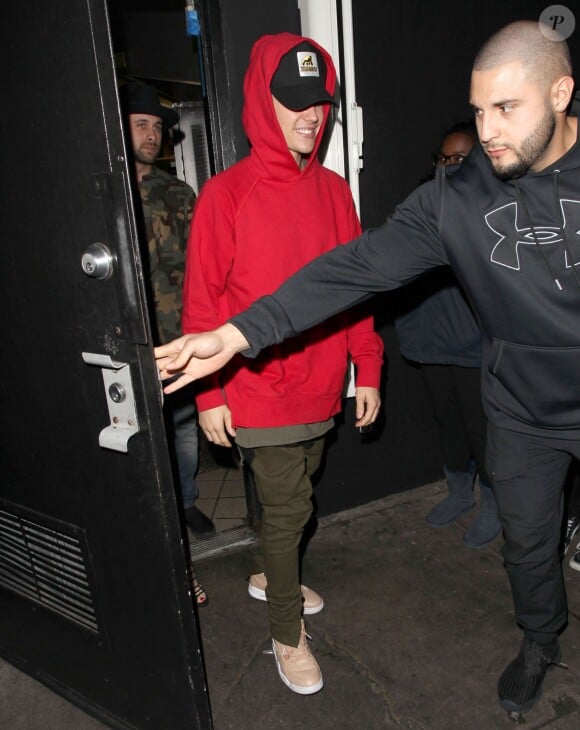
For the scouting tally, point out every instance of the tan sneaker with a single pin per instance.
(297, 668)
(257, 583)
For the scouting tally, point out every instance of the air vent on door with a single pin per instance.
(43, 563)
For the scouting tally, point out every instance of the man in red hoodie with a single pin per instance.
(256, 224)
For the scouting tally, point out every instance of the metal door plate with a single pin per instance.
(120, 401)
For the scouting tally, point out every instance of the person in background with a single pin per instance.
(438, 330)
(507, 223)
(254, 225)
(166, 207)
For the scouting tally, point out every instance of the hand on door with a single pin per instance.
(195, 356)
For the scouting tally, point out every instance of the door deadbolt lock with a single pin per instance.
(97, 261)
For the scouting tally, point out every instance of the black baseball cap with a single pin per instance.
(299, 81)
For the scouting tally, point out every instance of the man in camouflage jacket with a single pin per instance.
(167, 206)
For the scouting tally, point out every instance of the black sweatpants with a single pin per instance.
(528, 475)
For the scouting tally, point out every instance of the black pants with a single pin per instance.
(528, 475)
(455, 394)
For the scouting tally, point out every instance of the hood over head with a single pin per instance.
(299, 79)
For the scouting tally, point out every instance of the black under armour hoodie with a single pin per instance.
(514, 247)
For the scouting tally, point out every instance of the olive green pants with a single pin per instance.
(282, 476)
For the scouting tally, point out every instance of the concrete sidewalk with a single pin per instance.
(414, 634)
(416, 630)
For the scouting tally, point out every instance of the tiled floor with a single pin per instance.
(221, 496)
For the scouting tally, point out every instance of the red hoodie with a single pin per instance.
(254, 225)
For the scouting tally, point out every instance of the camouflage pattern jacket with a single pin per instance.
(167, 204)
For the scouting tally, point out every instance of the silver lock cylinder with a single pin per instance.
(97, 261)
(117, 393)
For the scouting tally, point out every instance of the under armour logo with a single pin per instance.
(504, 222)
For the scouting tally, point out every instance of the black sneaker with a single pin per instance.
(520, 685)
(572, 527)
(200, 524)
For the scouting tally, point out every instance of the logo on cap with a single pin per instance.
(307, 64)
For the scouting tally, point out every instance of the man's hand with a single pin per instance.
(196, 356)
(368, 404)
(216, 423)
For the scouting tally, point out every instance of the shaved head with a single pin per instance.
(521, 88)
(544, 60)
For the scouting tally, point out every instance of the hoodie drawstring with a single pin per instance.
(521, 198)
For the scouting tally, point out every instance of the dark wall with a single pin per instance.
(413, 64)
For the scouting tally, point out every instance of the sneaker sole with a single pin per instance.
(573, 563)
(260, 595)
(510, 706)
(310, 690)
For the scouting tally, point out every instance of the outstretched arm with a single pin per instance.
(380, 260)
(196, 356)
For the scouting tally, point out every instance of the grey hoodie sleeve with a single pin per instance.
(381, 259)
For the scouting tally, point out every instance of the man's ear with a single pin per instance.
(561, 93)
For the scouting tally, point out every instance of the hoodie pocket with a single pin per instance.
(539, 385)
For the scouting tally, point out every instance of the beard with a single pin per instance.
(146, 156)
(531, 149)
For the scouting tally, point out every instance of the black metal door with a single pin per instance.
(94, 596)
